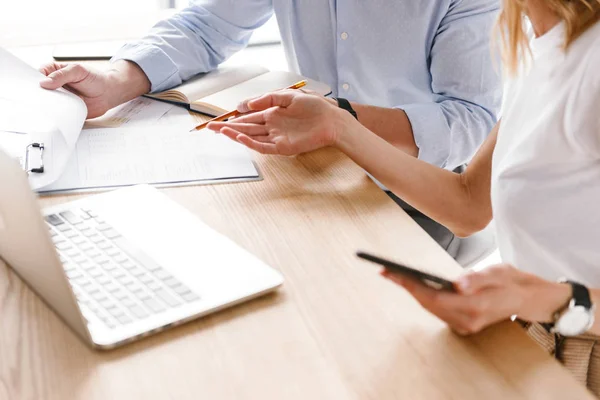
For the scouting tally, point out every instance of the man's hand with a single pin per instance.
(91, 86)
(100, 90)
(286, 122)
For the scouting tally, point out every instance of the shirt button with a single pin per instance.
(345, 86)
(344, 35)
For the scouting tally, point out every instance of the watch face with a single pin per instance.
(575, 321)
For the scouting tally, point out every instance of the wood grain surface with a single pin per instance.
(335, 330)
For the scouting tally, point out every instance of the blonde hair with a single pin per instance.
(578, 16)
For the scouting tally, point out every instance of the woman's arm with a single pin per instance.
(290, 122)
(461, 202)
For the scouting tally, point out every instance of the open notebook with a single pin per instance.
(220, 91)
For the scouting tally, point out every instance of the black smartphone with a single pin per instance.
(434, 282)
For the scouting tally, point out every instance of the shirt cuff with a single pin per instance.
(156, 64)
(431, 131)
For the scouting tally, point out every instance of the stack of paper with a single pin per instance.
(146, 141)
(143, 141)
(30, 114)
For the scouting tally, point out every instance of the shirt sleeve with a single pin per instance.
(196, 39)
(467, 86)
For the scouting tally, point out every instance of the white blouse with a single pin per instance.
(546, 165)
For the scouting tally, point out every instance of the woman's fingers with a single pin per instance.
(263, 148)
(276, 99)
(230, 133)
(252, 118)
(430, 298)
(455, 309)
(262, 145)
(247, 128)
(493, 276)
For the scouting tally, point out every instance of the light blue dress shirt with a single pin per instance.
(431, 58)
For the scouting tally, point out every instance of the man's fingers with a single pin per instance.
(72, 73)
(248, 129)
(49, 68)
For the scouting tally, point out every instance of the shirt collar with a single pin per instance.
(554, 39)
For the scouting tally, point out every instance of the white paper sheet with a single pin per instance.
(13, 144)
(53, 117)
(143, 112)
(158, 155)
(17, 117)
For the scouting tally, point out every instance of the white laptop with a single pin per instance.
(125, 264)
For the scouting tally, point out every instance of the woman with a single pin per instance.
(539, 171)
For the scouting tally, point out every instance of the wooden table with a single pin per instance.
(335, 330)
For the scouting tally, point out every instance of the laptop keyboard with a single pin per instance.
(112, 278)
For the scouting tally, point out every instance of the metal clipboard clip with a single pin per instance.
(39, 169)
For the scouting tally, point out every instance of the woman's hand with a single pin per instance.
(489, 296)
(286, 122)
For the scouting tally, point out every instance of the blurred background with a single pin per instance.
(25, 25)
(64, 21)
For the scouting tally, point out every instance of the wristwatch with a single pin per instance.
(577, 316)
(345, 104)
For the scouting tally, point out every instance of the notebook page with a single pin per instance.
(141, 112)
(155, 155)
(206, 84)
(228, 99)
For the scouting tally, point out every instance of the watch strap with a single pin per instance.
(581, 295)
(345, 104)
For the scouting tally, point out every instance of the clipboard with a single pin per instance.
(28, 152)
(28, 162)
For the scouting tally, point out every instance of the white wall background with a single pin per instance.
(40, 22)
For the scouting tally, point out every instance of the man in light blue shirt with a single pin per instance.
(418, 73)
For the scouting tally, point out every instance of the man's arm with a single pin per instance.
(467, 87)
(196, 39)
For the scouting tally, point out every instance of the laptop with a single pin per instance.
(125, 264)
